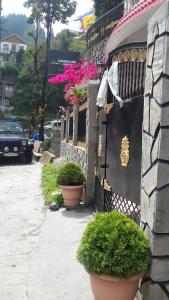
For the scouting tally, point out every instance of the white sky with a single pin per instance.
(16, 6)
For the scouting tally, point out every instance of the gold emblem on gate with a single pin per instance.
(124, 156)
(106, 185)
(100, 146)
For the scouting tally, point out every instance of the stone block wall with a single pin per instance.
(155, 162)
(128, 4)
(85, 157)
(74, 154)
(55, 142)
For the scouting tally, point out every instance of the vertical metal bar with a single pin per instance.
(131, 80)
(136, 79)
(105, 159)
(124, 79)
(120, 79)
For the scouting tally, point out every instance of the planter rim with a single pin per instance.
(69, 187)
(118, 279)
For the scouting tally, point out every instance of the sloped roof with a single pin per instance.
(13, 37)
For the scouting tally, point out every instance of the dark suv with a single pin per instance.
(13, 142)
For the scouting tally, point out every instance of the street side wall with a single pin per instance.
(74, 154)
(155, 159)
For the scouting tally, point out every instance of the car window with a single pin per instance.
(11, 127)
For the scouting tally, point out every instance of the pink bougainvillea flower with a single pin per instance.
(74, 75)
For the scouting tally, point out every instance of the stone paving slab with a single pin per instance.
(21, 215)
(54, 273)
(38, 247)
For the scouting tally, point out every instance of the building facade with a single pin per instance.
(9, 48)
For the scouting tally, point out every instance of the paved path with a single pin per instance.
(37, 247)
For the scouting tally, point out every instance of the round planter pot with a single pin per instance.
(72, 194)
(112, 288)
(76, 100)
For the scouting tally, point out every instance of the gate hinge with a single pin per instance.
(105, 123)
(104, 166)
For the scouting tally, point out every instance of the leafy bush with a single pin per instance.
(57, 198)
(70, 174)
(47, 144)
(114, 245)
(49, 175)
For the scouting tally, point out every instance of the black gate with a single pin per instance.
(118, 172)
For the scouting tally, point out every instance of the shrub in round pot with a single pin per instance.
(115, 252)
(71, 180)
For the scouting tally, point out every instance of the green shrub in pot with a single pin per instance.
(71, 179)
(115, 252)
(70, 174)
(114, 245)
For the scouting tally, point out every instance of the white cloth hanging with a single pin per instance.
(113, 81)
(102, 94)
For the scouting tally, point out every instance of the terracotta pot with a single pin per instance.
(76, 100)
(112, 288)
(72, 194)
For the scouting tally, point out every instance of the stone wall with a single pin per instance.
(155, 166)
(55, 142)
(97, 51)
(128, 4)
(74, 154)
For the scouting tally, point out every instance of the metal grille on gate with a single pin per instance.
(113, 201)
(131, 87)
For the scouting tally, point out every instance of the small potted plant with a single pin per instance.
(71, 180)
(115, 252)
(78, 94)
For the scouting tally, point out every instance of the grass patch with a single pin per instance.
(51, 190)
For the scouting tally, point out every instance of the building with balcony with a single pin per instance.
(9, 48)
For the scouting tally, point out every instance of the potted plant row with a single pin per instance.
(115, 252)
(71, 179)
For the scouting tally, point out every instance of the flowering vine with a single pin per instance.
(74, 76)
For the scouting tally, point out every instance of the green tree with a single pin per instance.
(34, 52)
(62, 40)
(52, 11)
(69, 40)
(9, 71)
(77, 45)
(102, 7)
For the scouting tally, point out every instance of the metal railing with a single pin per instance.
(71, 128)
(82, 126)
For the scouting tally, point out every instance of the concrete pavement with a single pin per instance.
(37, 247)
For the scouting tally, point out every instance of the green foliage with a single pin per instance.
(102, 7)
(114, 245)
(57, 198)
(47, 144)
(70, 174)
(77, 45)
(9, 71)
(50, 188)
(68, 40)
(53, 10)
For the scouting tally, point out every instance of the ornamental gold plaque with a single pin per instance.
(124, 156)
(100, 145)
(108, 107)
(106, 185)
